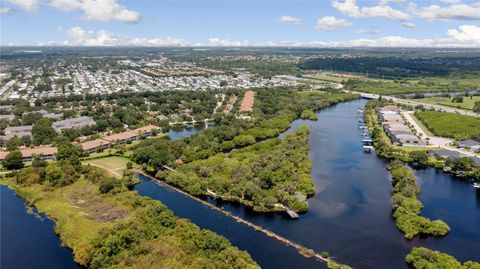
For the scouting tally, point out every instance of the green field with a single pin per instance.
(412, 85)
(450, 125)
(115, 165)
(468, 102)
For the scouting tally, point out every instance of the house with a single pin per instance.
(72, 123)
(147, 131)
(18, 131)
(443, 153)
(408, 140)
(123, 137)
(46, 153)
(97, 145)
(469, 144)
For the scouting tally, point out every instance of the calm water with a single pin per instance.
(28, 240)
(180, 132)
(351, 215)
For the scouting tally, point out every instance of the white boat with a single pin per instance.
(476, 185)
(367, 148)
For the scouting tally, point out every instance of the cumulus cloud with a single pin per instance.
(453, 11)
(6, 10)
(350, 8)
(218, 42)
(97, 10)
(80, 37)
(330, 23)
(28, 5)
(410, 25)
(372, 31)
(65, 5)
(290, 20)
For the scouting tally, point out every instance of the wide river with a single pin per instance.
(350, 216)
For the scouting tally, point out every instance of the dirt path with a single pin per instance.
(108, 169)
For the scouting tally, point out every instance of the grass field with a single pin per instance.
(114, 165)
(412, 85)
(468, 102)
(458, 127)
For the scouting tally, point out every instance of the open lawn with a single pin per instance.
(458, 127)
(115, 165)
(468, 102)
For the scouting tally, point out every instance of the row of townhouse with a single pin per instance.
(49, 153)
(46, 153)
(106, 142)
(396, 129)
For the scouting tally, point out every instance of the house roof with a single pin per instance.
(445, 153)
(43, 150)
(468, 143)
(147, 128)
(120, 136)
(93, 144)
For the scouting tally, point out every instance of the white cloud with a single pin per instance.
(28, 5)
(330, 23)
(217, 42)
(410, 25)
(106, 10)
(454, 11)
(6, 10)
(372, 31)
(451, 1)
(65, 5)
(467, 36)
(289, 19)
(81, 37)
(98, 10)
(350, 8)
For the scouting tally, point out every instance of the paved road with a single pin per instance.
(414, 103)
(436, 141)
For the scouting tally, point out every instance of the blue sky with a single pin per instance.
(303, 23)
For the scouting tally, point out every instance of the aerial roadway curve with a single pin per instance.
(414, 103)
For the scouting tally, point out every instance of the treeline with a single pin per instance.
(274, 110)
(422, 258)
(395, 67)
(263, 175)
(406, 207)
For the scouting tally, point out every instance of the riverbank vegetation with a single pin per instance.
(109, 226)
(423, 258)
(458, 127)
(216, 160)
(406, 207)
(262, 176)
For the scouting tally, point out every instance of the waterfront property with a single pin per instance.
(396, 129)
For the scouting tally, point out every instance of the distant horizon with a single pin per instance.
(236, 23)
